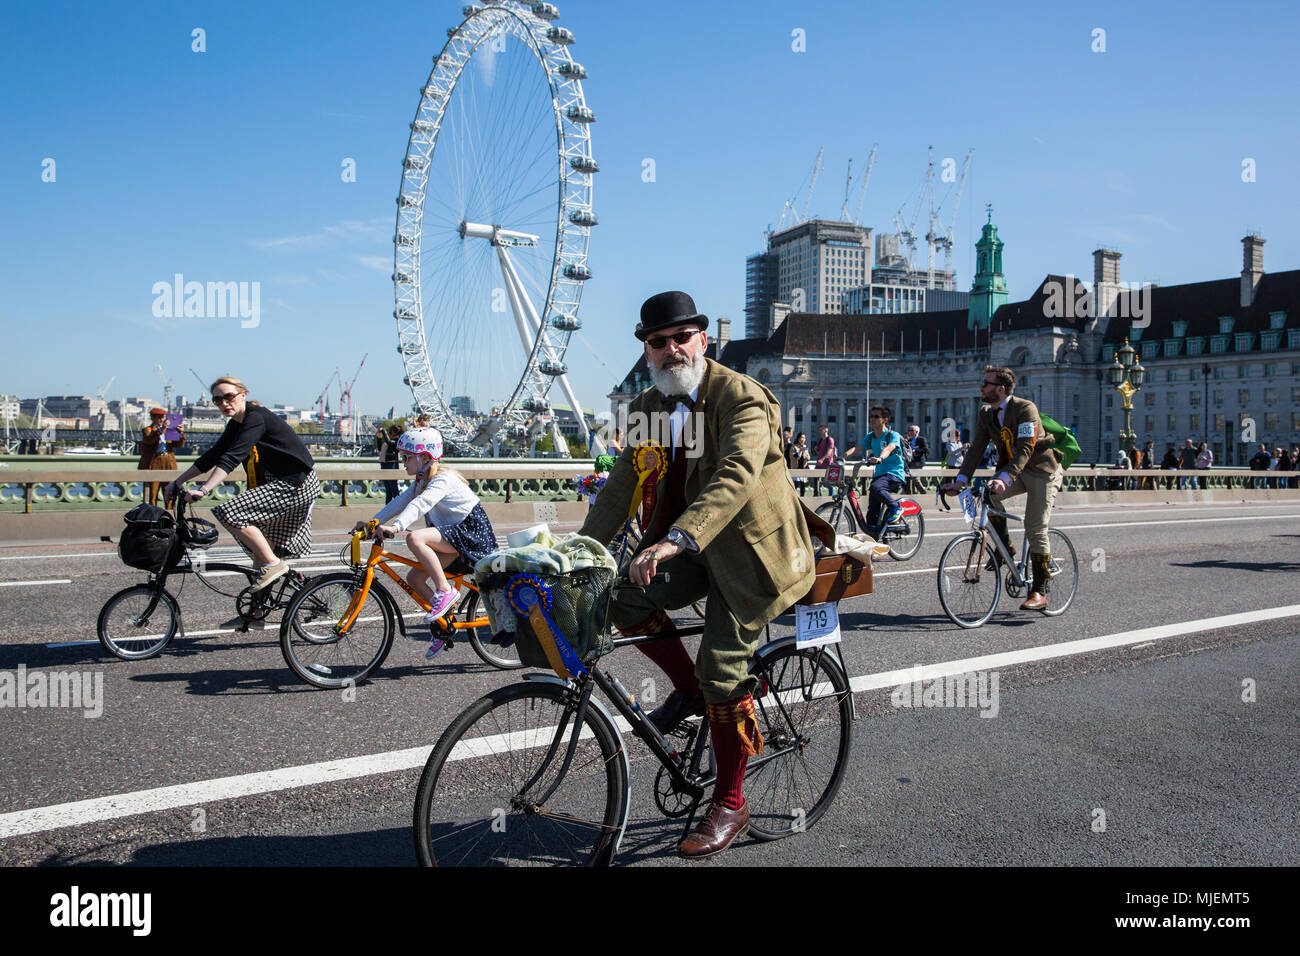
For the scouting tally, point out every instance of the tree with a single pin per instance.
(308, 428)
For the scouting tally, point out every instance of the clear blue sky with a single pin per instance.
(225, 165)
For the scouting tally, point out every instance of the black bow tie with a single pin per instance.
(671, 402)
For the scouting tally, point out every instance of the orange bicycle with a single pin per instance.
(340, 626)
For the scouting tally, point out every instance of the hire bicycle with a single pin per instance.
(139, 621)
(340, 626)
(970, 578)
(537, 773)
(844, 513)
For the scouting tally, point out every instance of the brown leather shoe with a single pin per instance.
(1035, 602)
(715, 832)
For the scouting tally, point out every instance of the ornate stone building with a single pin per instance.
(1229, 347)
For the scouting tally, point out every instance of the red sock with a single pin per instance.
(669, 654)
(735, 739)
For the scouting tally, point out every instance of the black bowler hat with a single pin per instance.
(665, 310)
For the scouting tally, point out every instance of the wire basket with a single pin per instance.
(576, 602)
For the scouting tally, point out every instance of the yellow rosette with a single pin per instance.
(651, 464)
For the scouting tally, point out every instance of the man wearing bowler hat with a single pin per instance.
(725, 523)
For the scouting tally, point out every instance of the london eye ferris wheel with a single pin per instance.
(494, 218)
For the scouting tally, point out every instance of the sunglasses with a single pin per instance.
(876, 416)
(681, 338)
(995, 384)
(225, 398)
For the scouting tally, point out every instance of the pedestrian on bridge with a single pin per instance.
(157, 453)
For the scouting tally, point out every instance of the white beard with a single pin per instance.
(680, 379)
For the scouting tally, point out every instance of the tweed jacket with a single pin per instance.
(742, 510)
(1020, 440)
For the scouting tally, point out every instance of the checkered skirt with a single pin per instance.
(280, 509)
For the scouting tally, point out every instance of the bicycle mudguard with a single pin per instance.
(593, 701)
(771, 647)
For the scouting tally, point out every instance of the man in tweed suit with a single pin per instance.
(1027, 465)
(726, 524)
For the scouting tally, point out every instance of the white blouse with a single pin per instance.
(444, 502)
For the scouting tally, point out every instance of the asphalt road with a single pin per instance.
(1173, 747)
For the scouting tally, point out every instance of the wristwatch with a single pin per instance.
(675, 536)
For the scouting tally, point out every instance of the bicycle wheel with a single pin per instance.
(125, 634)
(310, 639)
(476, 805)
(904, 544)
(1065, 573)
(839, 516)
(482, 639)
(806, 718)
(968, 593)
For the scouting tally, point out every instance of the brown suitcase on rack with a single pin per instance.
(838, 576)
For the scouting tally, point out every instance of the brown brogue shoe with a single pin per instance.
(1035, 602)
(715, 832)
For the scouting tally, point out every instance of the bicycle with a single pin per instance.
(139, 621)
(969, 591)
(340, 626)
(844, 513)
(538, 772)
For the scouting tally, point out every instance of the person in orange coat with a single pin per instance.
(156, 452)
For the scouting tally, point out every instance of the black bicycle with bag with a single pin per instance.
(139, 621)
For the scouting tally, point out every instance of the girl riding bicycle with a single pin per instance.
(457, 531)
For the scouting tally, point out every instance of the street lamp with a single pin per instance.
(1126, 375)
(1205, 377)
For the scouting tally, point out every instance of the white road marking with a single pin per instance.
(98, 809)
(1068, 648)
(22, 584)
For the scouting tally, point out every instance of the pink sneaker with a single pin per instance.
(442, 602)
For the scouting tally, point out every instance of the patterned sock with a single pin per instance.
(669, 654)
(736, 738)
(1042, 576)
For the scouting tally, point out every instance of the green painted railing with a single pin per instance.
(63, 484)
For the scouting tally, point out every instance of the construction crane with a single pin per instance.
(320, 399)
(788, 211)
(803, 217)
(345, 395)
(931, 237)
(201, 384)
(100, 393)
(866, 178)
(848, 185)
(946, 239)
(167, 388)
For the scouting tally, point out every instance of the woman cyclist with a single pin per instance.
(271, 519)
(457, 531)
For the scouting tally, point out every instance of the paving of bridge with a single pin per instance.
(1154, 732)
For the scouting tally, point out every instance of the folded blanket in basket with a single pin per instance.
(549, 554)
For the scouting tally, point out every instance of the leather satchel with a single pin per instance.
(838, 575)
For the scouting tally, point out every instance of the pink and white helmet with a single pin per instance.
(421, 440)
